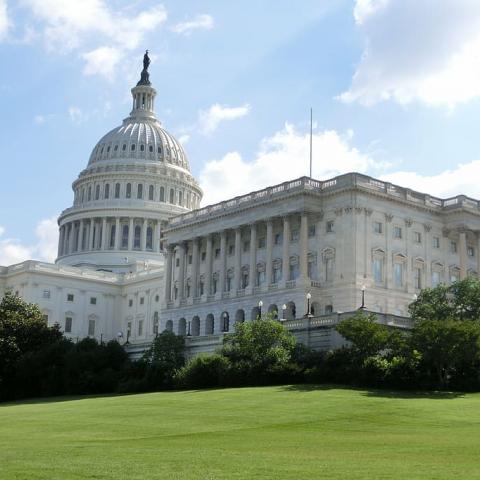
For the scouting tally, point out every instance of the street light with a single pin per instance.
(362, 307)
(260, 305)
(225, 326)
(284, 308)
(309, 297)
(119, 336)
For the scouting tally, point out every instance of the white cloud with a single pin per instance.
(426, 51)
(45, 248)
(183, 139)
(102, 61)
(210, 119)
(98, 31)
(4, 20)
(203, 22)
(41, 119)
(77, 115)
(284, 156)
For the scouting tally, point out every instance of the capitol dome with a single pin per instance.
(137, 177)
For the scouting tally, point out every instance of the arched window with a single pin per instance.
(195, 326)
(142, 148)
(182, 327)
(129, 190)
(150, 148)
(172, 196)
(139, 190)
(180, 198)
(83, 195)
(89, 193)
(112, 236)
(159, 149)
(149, 238)
(169, 326)
(240, 316)
(136, 239)
(115, 148)
(106, 193)
(132, 147)
(162, 194)
(117, 190)
(124, 146)
(97, 192)
(209, 325)
(150, 192)
(125, 236)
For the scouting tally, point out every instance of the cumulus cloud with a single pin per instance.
(200, 22)
(77, 115)
(45, 248)
(4, 20)
(209, 120)
(96, 30)
(424, 51)
(283, 156)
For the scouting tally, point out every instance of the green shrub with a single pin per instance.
(203, 371)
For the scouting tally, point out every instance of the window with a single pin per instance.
(231, 249)
(436, 242)
(330, 226)
(378, 270)
(129, 190)
(278, 239)
(70, 297)
(140, 328)
(294, 271)
(180, 198)
(117, 190)
(398, 274)
(142, 300)
(190, 259)
(470, 251)
(204, 255)
(172, 196)
(150, 192)
(294, 234)
(149, 244)
(150, 148)
(245, 279)
(136, 239)
(417, 237)
(311, 230)
(328, 309)
(113, 230)
(106, 192)
(68, 324)
(246, 246)
(124, 146)
(46, 294)
(214, 285)
(453, 276)
(260, 277)
(130, 302)
(262, 242)
(277, 272)
(157, 298)
(91, 328)
(162, 194)
(417, 278)
(97, 192)
(311, 269)
(132, 148)
(377, 227)
(217, 253)
(93, 300)
(45, 318)
(435, 278)
(89, 193)
(129, 329)
(453, 247)
(155, 323)
(115, 148)
(329, 269)
(397, 232)
(142, 148)
(177, 262)
(140, 191)
(125, 236)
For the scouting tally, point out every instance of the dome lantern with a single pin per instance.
(144, 94)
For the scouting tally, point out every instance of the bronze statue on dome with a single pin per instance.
(145, 76)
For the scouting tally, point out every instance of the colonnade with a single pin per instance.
(201, 249)
(109, 233)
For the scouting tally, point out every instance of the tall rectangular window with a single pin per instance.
(417, 278)
(329, 270)
(435, 278)
(417, 237)
(68, 324)
(436, 242)
(378, 270)
(453, 247)
(330, 226)
(397, 232)
(140, 328)
(398, 274)
(377, 227)
(91, 328)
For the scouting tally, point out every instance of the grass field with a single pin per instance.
(268, 433)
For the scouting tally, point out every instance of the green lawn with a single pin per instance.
(268, 433)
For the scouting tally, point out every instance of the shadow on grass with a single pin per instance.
(377, 392)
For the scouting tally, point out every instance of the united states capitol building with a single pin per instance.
(137, 255)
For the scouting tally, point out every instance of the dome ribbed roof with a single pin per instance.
(140, 139)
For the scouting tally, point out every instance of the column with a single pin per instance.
(269, 246)
(253, 256)
(156, 241)
(130, 234)
(90, 234)
(104, 233)
(462, 252)
(117, 233)
(208, 266)
(303, 247)
(60, 241)
(168, 274)
(195, 267)
(428, 259)
(408, 266)
(80, 235)
(286, 251)
(71, 238)
(388, 253)
(181, 270)
(238, 258)
(143, 241)
(223, 260)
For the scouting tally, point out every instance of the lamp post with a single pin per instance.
(284, 309)
(309, 297)
(128, 338)
(362, 306)
(260, 305)
(224, 327)
(119, 336)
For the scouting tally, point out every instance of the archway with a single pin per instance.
(225, 322)
(182, 327)
(315, 309)
(240, 316)
(291, 311)
(195, 326)
(255, 315)
(169, 326)
(209, 324)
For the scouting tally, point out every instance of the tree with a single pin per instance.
(259, 351)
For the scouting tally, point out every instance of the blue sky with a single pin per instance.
(394, 86)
